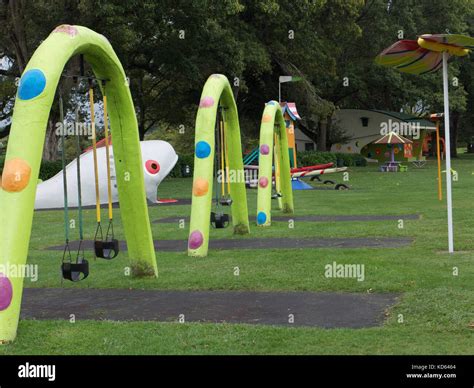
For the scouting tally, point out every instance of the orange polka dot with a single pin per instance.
(266, 118)
(200, 187)
(16, 175)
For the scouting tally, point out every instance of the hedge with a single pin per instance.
(48, 168)
(310, 158)
(307, 158)
(350, 160)
(179, 171)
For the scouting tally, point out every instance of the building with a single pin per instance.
(363, 127)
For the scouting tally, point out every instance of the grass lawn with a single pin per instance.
(434, 315)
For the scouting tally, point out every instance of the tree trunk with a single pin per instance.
(141, 107)
(50, 151)
(328, 133)
(17, 34)
(5, 131)
(322, 136)
(454, 133)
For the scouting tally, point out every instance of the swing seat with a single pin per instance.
(225, 201)
(106, 249)
(276, 195)
(220, 220)
(75, 272)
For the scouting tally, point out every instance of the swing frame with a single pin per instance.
(219, 219)
(109, 247)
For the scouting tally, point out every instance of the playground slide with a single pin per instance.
(158, 158)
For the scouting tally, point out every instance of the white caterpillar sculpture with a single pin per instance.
(158, 158)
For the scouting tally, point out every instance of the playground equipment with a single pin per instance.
(217, 92)
(273, 145)
(312, 172)
(291, 115)
(394, 139)
(79, 268)
(251, 157)
(104, 247)
(220, 219)
(436, 117)
(425, 55)
(36, 92)
(158, 157)
(218, 144)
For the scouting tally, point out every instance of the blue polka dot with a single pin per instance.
(261, 218)
(32, 84)
(203, 149)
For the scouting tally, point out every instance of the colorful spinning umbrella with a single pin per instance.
(426, 55)
(393, 138)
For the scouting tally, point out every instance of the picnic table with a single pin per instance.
(390, 166)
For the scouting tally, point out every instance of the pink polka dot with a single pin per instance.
(206, 102)
(67, 29)
(263, 182)
(6, 292)
(264, 149)
(195, 239)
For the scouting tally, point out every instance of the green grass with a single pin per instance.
(436, 306)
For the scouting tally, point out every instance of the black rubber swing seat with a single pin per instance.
(225, 201)
(276, 196)
(107, 249)
(219, 220)
(75, 272)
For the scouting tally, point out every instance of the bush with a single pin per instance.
(48, 168)
(179, 170)
(310, 158)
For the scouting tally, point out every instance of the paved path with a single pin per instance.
(345, 218)
(321, 309)
(265, 243)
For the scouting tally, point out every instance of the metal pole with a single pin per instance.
(438, 154)
(279, 91)
(448, 154)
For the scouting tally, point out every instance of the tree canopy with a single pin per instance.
(170, 47)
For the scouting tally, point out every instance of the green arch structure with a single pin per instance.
(35, 96)
(217, 91)
(272, 124)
